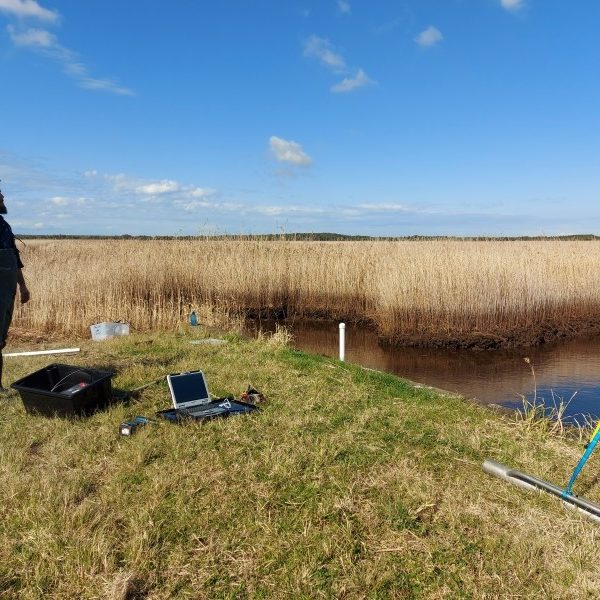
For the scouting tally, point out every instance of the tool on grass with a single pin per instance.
(528, 482)
(130, 427)
(126, 395)
(135, 392)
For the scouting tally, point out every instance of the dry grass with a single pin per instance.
(445, 290)
(348, 484)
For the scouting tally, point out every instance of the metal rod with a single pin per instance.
(527, 482)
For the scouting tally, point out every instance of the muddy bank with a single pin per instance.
(523, 337)
(518, 338)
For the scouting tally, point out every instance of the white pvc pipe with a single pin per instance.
(40, 352)
(342, 341)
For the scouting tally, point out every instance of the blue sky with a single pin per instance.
(379, 117)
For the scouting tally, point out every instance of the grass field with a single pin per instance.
(438, 292)
(349, 484)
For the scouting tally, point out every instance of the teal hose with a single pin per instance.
(590, 448)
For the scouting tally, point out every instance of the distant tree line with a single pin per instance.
(316, 237)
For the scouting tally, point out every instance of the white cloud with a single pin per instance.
(352, 83)
(321, 49)
(289, 152)
(28, 8)
(149, 189)
(512, 4)
(166, 186)
(344, 7)
(430, 36)
(202, 192)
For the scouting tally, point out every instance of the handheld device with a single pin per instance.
(130, 427)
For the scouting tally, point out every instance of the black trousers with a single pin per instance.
(8, 290)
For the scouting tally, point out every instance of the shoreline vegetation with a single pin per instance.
(349, 483)
(420, 292)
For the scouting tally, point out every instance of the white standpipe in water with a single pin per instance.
(342, 341)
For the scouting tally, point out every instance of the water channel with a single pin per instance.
(566, 371)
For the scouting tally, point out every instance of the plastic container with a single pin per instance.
(104, 331)
(65, 390)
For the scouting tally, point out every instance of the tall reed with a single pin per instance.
(407, 289)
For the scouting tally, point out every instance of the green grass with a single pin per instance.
(349, 483)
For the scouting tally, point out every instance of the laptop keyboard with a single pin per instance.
(204, 412)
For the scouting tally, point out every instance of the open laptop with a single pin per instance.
(191, 397)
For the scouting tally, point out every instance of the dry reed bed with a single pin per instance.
(437, 291)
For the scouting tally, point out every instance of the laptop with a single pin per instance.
(191, 397)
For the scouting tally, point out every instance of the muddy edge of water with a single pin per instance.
(536, 335)
(519, 338)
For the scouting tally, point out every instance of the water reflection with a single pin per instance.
(569, 371)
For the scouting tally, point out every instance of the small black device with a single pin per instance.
(130, 427)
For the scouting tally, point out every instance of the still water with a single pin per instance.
(567, 372)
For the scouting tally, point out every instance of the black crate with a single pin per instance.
(64, 390)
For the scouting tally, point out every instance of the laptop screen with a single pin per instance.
(188, 389)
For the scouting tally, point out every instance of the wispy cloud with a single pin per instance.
(66, 201)
(46, 43)
(289, 152)
(512, 4)
(59, 201)
(429, 37)
(32, 38)
(350, 84)
(28, 8)
(386, 207)
(97, 203)
(321, 49)
(203, 205)
(344, 7)
(202, 192)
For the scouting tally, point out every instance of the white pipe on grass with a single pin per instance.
(40, 352)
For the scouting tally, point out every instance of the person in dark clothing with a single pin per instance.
(10, 276)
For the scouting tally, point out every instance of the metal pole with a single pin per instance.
(527, 482)
(342, 341)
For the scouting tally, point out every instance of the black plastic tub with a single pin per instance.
(65, 391)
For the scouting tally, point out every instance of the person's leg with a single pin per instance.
(8, 291)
